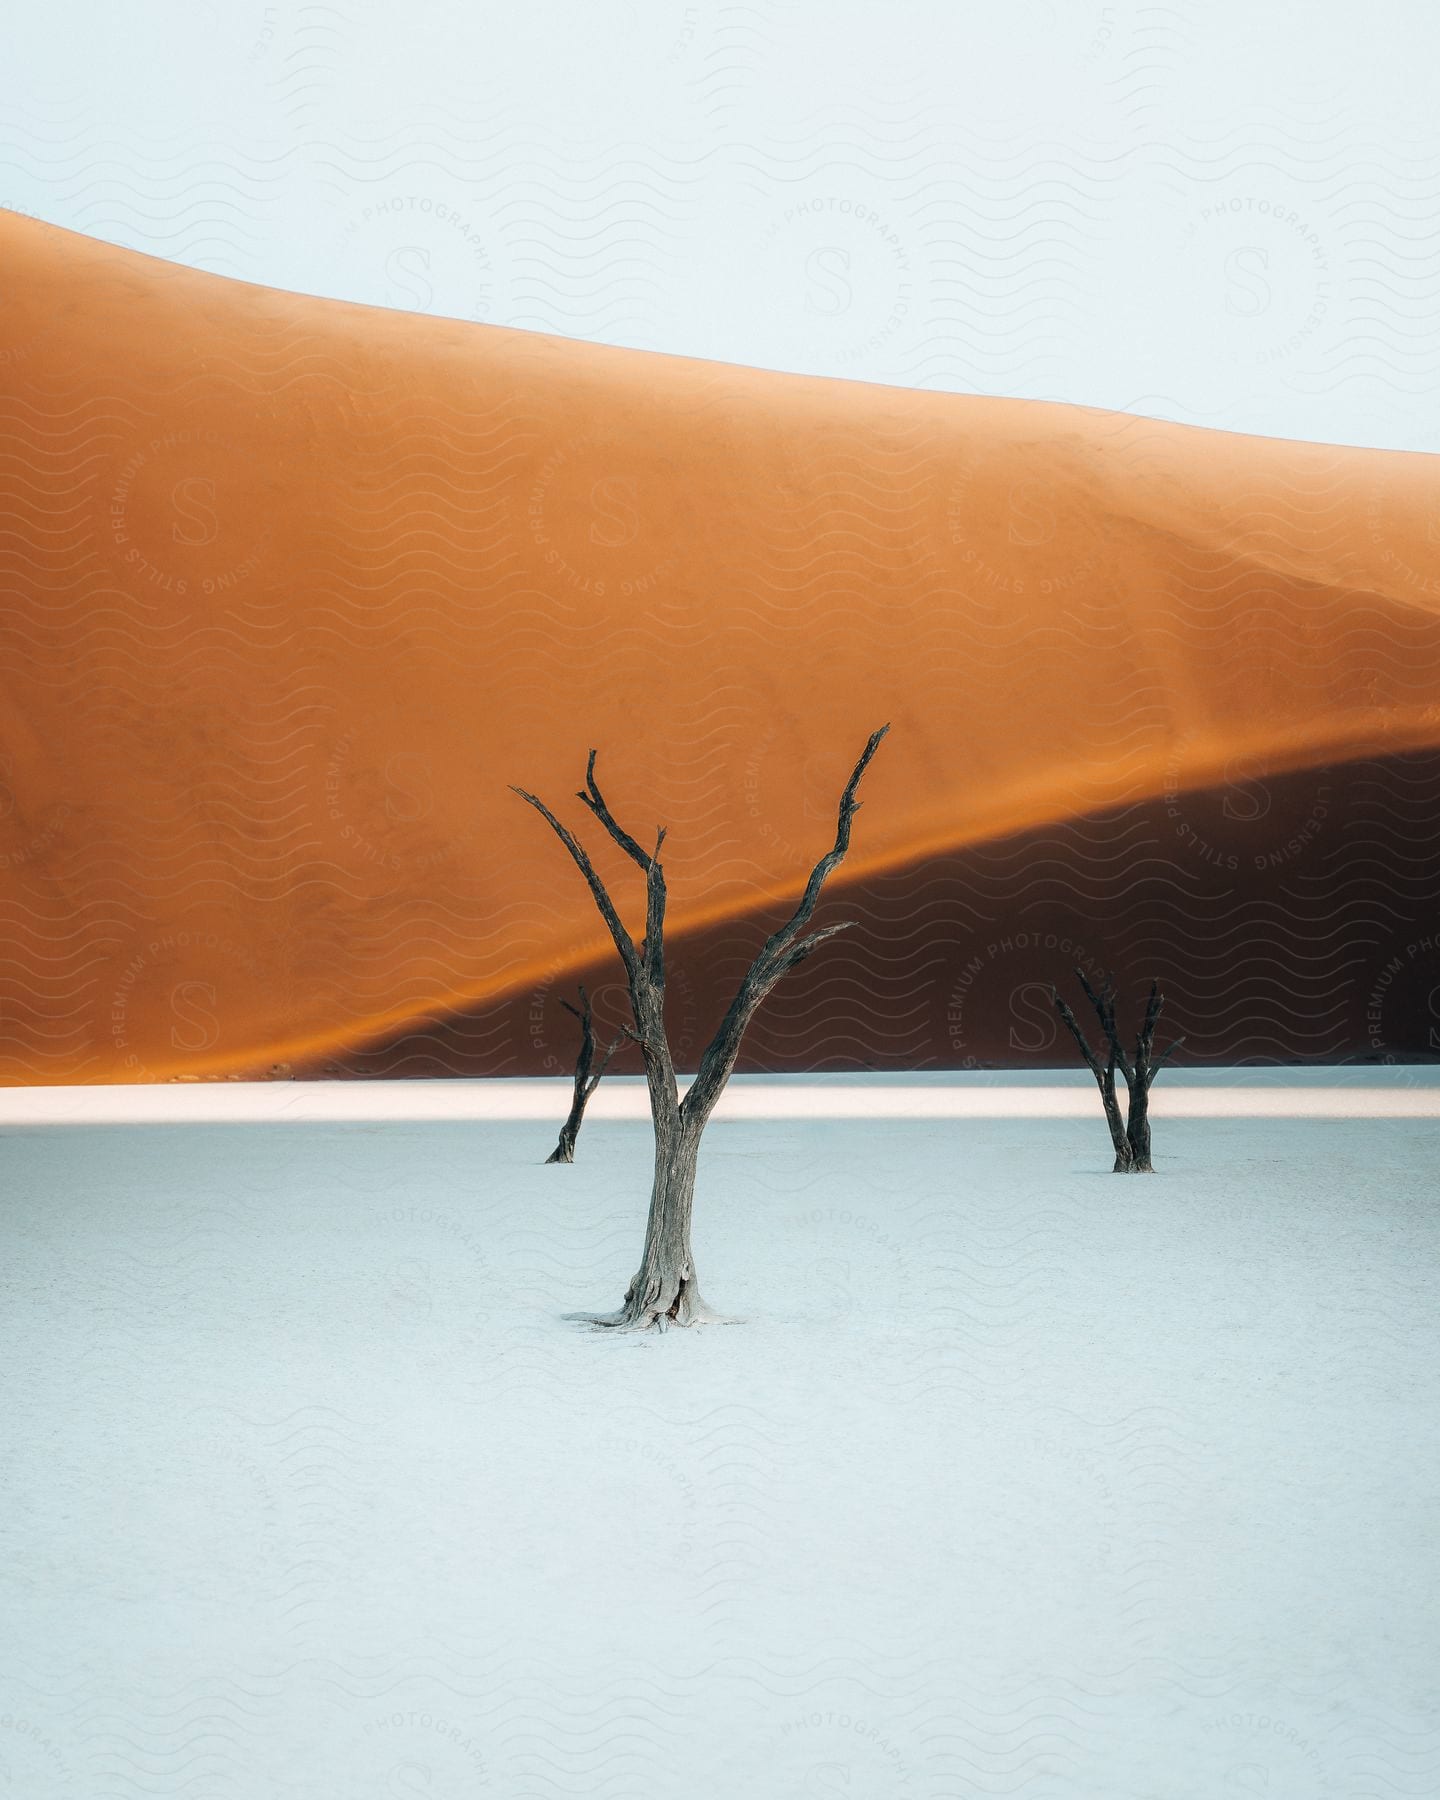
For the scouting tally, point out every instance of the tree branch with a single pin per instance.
(652, 946)
(779, 954)
(828, 863)
(1104, 1004)
(624, 943)
(1073, 1024)
(807, 946)
(595, 800)
(1164, 1057)
(581, 1012)
(594, 1080)
(1145, 1043)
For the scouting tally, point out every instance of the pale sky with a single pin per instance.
(1225, 214)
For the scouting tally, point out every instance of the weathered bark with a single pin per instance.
(1131, 1134)
(1119, 1130)
(586, 1081)
(1147, 1067)
(665, 1289)
(1138, 1130)
(1104, 1074)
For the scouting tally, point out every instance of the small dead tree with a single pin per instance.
(587, 1078)
(1130, 1132)
(664, 1289)
(1104, 1073)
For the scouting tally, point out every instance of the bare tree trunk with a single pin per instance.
(585, 1082)
(665, 1289)
(1138, 1130)
(1104, 1074)
(1119, 1132)
(1147, 1067)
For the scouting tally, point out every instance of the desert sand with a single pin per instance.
(296, 588)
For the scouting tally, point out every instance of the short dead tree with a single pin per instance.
(587, 1078)
(664, 1290)
(1130, 1131)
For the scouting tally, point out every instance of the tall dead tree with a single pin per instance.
(1130, 1133)
(587, 1078)
(665, 1289)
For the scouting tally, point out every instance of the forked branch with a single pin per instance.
(595, 800)
(624, 943)
(1073, 1026)
(587, 1078)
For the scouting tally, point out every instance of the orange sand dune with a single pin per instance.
(294, 589)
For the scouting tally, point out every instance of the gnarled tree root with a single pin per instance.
(657, 1306)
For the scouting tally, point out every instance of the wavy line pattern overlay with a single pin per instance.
(298, 589)
(1014, 1482)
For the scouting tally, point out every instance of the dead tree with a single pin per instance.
(1104, 1073)
(1140, 1075)
(1130, 1133)
(665, 1289)
(587, 1078)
